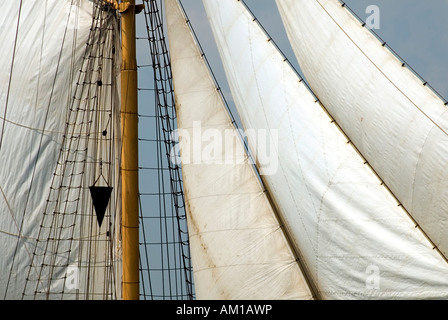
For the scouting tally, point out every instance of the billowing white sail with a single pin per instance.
(397, 122)
(351, 234)
(57, 112)
(239, 250)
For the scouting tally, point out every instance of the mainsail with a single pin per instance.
(343, 221)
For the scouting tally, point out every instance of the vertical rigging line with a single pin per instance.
(10, 75)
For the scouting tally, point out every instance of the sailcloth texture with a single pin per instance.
(397, 122)
(239, 250)
(53, 82)
(351, 235)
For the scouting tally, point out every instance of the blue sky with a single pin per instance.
(415, 29)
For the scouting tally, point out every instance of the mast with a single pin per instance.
(129, 153)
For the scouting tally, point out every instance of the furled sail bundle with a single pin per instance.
(397, 122)
(238, 248)
(351, 234)
(58, 117)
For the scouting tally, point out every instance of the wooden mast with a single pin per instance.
(129, 153)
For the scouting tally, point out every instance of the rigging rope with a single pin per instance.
(165, 261)
(68, 236)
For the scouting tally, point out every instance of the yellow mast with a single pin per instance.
(129, 153)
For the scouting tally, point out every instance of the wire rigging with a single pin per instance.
(171, 265)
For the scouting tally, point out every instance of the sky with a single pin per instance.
(415, 29)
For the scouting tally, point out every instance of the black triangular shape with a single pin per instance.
(100, 198)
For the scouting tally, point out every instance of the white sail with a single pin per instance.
(353, 237)
(395, 120)
(238, 248)
(57, 113)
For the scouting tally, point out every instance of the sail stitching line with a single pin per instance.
(315, 209)
(299, 258)
(257, 85)
(38, 130)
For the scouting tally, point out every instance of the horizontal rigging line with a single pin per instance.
(41, 130)
(157, 140)
(163, 269)
(148, 116)
(186, 295)
(166, 243)
(163, 217)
